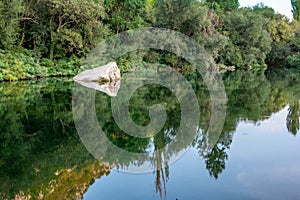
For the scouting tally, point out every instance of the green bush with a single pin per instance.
(21, 65)
(17, 66)
(293, 61)
(62, 67)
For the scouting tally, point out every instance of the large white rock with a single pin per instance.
(106, 73)
(105, 79)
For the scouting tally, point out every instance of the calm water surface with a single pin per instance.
(255, 157)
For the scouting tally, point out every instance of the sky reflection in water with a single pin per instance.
(263, 163)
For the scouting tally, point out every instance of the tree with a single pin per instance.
(265, 11)
(124, 15)
(185, 16)
(10, 16)
(193, 19)
(75, 25)
(57, 29)
(249, 41)
(226, 5)
(282, 32)
(296, 9)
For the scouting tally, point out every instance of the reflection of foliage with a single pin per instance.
(292, 120)
(287, 88)
(216, 157)
(162, 175)
(37, 134)
(140, 104)
(251, 96)
(215, 161)
(71, 183)
(247, 94)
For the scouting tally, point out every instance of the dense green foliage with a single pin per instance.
(52, 30)
(226, 4)
(22, 65)
(249, 42)
(125, 14)
(42, 38)
(10, 12)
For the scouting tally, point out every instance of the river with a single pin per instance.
(254, 156)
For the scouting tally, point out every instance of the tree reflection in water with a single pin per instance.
(292, 120)
(38, 137)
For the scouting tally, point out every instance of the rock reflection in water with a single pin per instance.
(109, 88)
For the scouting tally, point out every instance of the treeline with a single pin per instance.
(51, 37)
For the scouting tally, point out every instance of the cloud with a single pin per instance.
(271, 183)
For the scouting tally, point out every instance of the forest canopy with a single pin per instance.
(52, 37)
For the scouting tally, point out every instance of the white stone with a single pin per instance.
(105, 79)
(106, 73)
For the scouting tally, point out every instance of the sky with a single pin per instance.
(280, 6)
